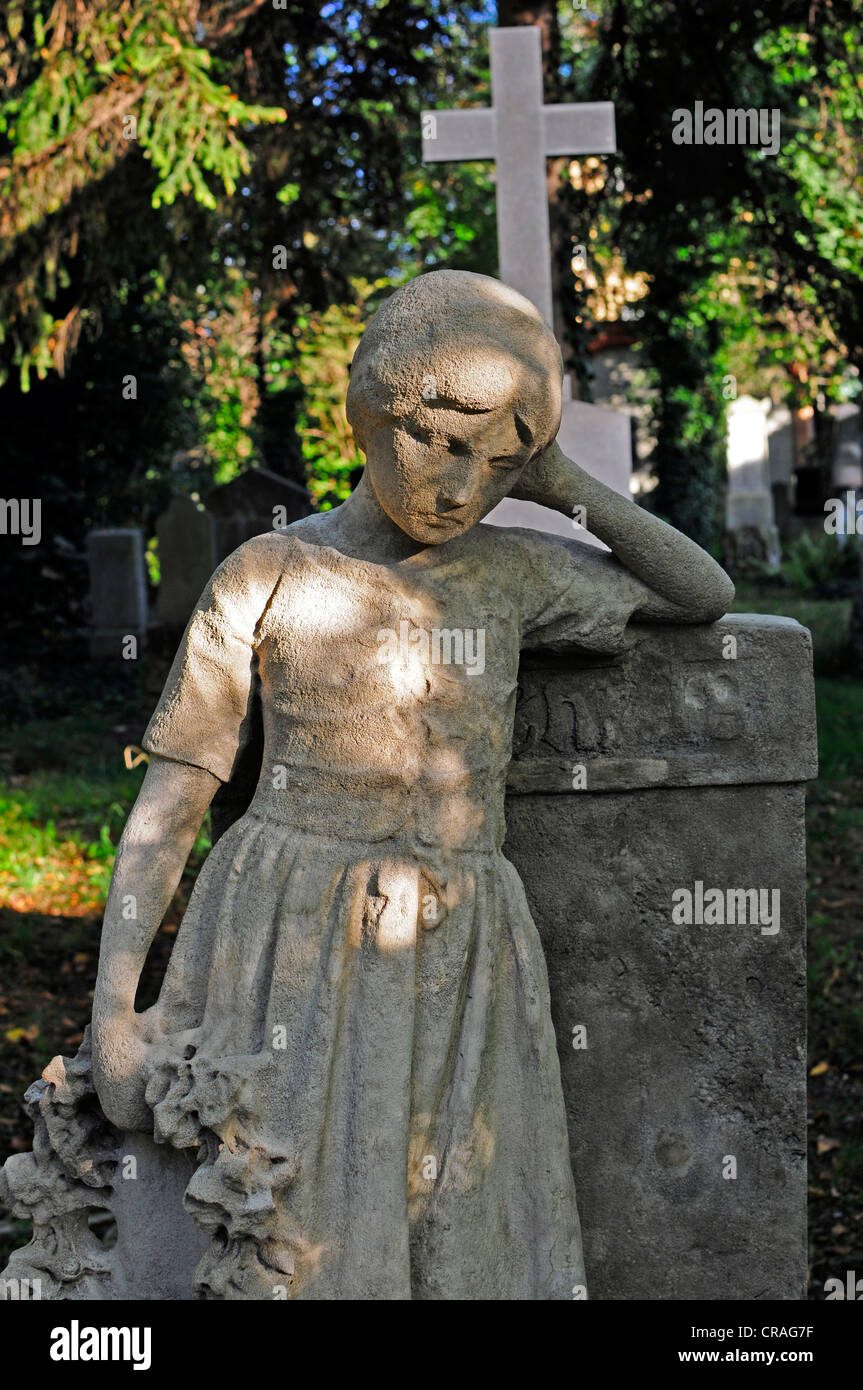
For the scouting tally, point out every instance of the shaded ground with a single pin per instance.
(834, 824)
(65, 792)
(835, 841)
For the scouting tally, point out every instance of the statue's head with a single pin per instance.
(455, 386)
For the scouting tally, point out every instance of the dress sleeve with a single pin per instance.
(205, 713)
(576, 596)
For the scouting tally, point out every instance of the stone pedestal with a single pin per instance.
(682, 1046)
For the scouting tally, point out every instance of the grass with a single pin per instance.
(65, 794)
(827, 619)
(834, 825)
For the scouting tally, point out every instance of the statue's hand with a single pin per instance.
(551, 479)
(121, 1039)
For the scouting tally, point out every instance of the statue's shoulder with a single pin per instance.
(546, 548)
(309, 530)
(539, 562)
(250, 574)
(259, 554)
(518, 543)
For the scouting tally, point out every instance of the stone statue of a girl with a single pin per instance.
(353, 1036)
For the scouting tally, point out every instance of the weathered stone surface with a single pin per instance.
(65, 1180)
(158, 1241)
(85, 1181)
(695, 1035)
(672, 711)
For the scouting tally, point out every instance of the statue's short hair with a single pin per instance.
(459, 341)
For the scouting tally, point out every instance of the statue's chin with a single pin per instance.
(432, 532)
(426, 531)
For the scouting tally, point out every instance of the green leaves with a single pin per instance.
(125, 81)
(755, 259)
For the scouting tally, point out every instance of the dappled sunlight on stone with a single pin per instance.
(405, 673)
(396, 925)
(319, 607)
(437, 1163)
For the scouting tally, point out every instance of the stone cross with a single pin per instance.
(518, 132)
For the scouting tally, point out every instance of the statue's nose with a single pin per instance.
(454, 494)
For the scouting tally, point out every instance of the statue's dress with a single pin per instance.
(355, 1025)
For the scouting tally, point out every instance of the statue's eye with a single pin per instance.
(505, 461)
(414, 431)
(458, 447)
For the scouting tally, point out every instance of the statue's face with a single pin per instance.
(437, 472)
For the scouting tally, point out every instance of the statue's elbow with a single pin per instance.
(719, 600)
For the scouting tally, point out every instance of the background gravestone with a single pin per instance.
(750, 517)
(780, 466)
(118, 591)
(695, 1035)
(186, 559)
(848, 487)
(245, 507)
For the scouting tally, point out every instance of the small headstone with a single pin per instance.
(847, 423)
(255, 502)
(750, 516)
(848, 468)
(118, 593)
(848, 489)
(780, 465)
(186, 559)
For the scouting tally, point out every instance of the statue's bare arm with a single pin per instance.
(151, 856)
(687, 584)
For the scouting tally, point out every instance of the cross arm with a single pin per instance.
(587, 128)
(465, 134)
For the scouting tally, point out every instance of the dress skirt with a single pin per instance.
(356, 1038)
